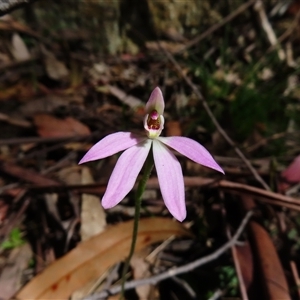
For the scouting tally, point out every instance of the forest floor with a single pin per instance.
(232, 86)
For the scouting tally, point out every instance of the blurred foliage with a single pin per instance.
(14, 240)
(229, 280)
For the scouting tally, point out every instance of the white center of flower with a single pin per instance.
(154, 124)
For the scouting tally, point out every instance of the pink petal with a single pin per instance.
(192, 150)
(110, 145)
(170, 179)
(156, 102)
(125, 173)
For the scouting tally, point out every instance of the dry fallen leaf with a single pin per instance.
(93, 217)
(50, 126)
(11, 274)
(55, 69)
(92, 257)
(141, 269)
(268, 264)
(245, 258)
(19, 49)
(93, 221)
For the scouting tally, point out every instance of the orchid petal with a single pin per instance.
(125, 173)
(192, 150)
(156, 102)
(170, 179)
(110, 145)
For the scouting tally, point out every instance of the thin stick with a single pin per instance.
(268, 29)
(295, 275)
(238, 270)
(214, 120)
(181, 270)
(217, 26)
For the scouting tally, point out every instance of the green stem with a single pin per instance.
(138, 199)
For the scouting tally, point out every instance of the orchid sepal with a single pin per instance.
(111, 144)
(192, 150)
(155, 102)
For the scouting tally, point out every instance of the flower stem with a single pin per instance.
(138, 199)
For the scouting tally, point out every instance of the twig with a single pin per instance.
(257, 192)
(217, 26)
(268, 28)
(295, 275)
(185, 286)
(7, 6)
(181, 270)
(217, 294)
(288, 32)
(29, 140)
(214, 120)
(264, 141)
(226, 185)
(238, 270)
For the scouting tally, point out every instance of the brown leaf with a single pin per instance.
(270, 269)
(245, 258)
(92, 257)
(49, 126)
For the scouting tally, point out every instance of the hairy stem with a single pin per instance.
(138, 199)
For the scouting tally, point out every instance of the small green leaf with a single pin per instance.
(14, 240)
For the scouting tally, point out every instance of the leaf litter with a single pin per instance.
(64, 86)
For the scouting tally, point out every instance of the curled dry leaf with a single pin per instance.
(92, 257)
(50, 126)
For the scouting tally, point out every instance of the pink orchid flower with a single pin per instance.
(137, 148)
